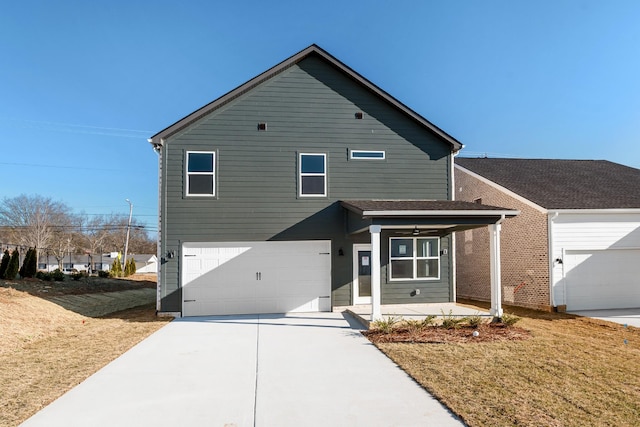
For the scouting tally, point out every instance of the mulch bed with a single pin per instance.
(439, 335)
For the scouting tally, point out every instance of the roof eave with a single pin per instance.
(441, 213)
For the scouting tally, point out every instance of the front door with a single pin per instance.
(362, 274)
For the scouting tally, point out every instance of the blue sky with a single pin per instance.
(84, 84)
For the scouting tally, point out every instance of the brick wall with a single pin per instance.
(523, 247)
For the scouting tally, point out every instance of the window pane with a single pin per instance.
(200, 162)
(200, 184)
(311, 163)
(367, 154)
(427, 247)
(401, 248)
(428, 267)
(402, 269)
(313, 185)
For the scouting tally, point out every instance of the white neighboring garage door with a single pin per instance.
(256, 277)
(602, 279)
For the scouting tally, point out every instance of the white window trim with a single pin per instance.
(212, 174)
(414, 258)
(351, 157)
(300, 174)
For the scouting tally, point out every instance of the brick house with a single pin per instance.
(575, 244)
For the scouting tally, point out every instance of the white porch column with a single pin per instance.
(496, 280)
(376, 312)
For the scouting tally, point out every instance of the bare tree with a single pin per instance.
(32, 220)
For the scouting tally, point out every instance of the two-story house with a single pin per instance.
(306, 188)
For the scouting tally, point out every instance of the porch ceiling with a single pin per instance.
(429, 216)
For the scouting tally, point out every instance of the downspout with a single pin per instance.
(453, 255)
(157, 147)
(550, 218)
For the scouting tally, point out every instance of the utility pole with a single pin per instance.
(126, 244)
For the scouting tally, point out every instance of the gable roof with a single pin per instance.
(563, 184)
(158, 139)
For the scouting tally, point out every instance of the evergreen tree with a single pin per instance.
(127, 266)
(4, 263)
(24, 263)
(133, 269)
(116, 268)
(14, 265)
(31, 264)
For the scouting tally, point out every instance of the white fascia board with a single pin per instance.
(432, 213)
(503, 189)
(596, 211)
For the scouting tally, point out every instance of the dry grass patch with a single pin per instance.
(46, 350)
(571, 372)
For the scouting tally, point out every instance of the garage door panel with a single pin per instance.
(602, 279)
(256, 277)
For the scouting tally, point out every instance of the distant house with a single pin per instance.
(306, 188)
(576, 243)
(144, 263)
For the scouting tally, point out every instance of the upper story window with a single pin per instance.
(366, 155)
(201, 173)
(414, 258)
(312, 177)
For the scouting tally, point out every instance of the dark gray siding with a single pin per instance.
(310, 107)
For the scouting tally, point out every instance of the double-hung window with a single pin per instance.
(312, 175)
(414, 258)
(201, 173)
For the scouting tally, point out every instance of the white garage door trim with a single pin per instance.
(220, 278)
(602, 279)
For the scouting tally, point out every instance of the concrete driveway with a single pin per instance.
(268, 370)
(624, 316)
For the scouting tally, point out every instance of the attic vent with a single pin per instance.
(262, 126)
(359, 115)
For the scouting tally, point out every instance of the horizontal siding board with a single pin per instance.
(308, 108)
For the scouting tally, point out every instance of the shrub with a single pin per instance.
(104, 274)
(474, 320)
(77, 276)
(30, 264)
(4, 263)
(116, 268)
(510, 319)
(449, 321)
(415, 325)
(57, 275)
(385, 325)
(43, 275)
(129, 267)
(14, 266)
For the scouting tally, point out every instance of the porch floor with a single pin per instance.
(362, 313)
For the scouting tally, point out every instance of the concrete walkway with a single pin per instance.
(99, 304)
(310, 369)
(624, 316)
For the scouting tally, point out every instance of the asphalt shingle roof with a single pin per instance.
(419, 205)
(563, 184)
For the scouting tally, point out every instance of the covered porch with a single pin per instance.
(362, 312)
(423, 219)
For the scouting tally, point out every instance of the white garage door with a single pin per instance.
(256, 277)
(602, 279)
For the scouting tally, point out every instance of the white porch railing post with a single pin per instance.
(496, 280)
(376, 312)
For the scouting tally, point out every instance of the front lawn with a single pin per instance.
(572, 371)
